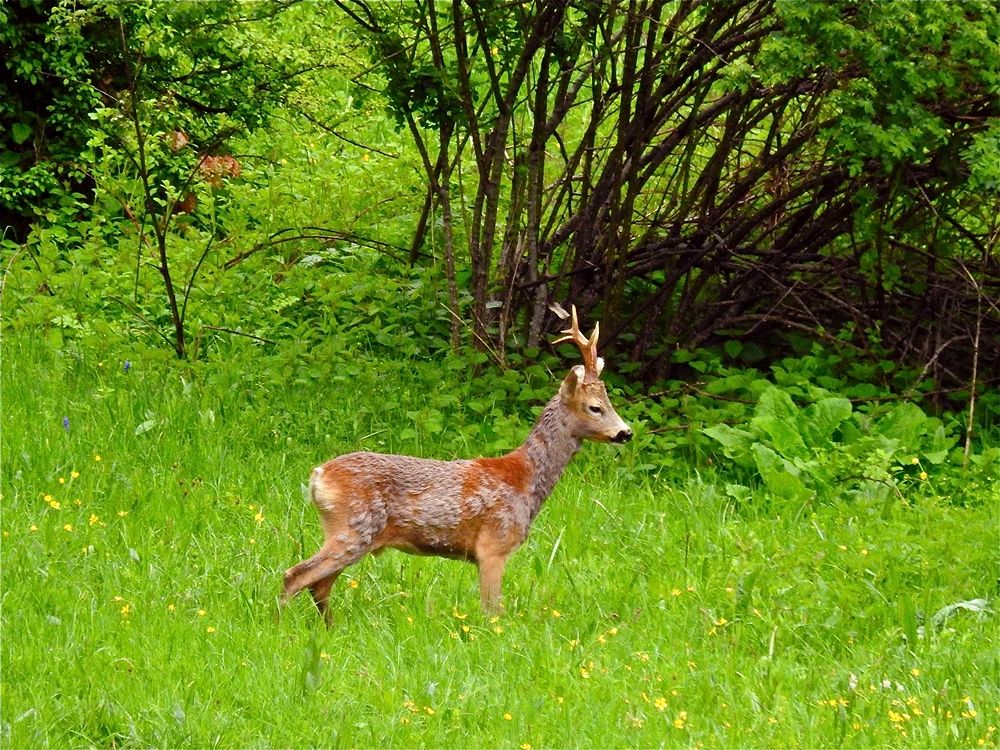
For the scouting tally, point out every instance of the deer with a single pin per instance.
(478, 510)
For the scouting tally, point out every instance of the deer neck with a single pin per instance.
(549, 448)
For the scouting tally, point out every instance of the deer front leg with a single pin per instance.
(490, 581)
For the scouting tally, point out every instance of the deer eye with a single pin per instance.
(595, 409)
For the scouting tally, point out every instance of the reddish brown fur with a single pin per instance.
(511, 469)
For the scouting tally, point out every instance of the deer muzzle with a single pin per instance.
(623, 436)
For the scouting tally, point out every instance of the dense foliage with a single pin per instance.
(689, 173)
(692, 171)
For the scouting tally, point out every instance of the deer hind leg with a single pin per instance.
(321, 596)
(320, 571)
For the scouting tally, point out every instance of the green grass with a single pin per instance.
(644, 610)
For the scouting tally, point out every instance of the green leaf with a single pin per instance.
(819, 421)
(777, 419)
(779, 475)
(941, 443)
(905, 423)
(20, 132)
(735, 443)
(774, 402)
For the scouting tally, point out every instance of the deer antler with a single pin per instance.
(588, 347)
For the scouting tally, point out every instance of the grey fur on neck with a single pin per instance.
(549, 448)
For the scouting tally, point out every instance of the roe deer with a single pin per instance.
(477, 510)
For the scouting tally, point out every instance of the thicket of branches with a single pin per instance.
(692, 172)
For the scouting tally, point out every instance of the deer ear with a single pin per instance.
(600, 365)
(571, 382)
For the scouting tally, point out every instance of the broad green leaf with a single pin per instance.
(819, 421)
(735, 443)
(20, 132)
(775, 402)
(779, 476)
(905, 423)
(776, 417)
(783, 434)
(941, 443)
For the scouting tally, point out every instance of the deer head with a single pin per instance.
(584, 395)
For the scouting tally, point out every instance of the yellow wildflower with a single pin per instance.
(97, 457)
(67, 527)
(353, 583)
(429, 710)
(458, 615)
(62, 480)
(680, 720)
(74, 474)
(94, 519)
(660, 703)
(507, 717)
(923, 475)
(675, 591)
(202, 613)
(556, 613)
(209, 629)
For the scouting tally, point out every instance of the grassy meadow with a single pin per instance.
(150, 507)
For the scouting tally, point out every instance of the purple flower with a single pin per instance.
(128, 365)
(66, 423)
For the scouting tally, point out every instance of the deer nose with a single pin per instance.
(623, 436)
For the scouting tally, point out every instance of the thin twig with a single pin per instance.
(975, 367)
(239, 333)
(135, 311)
